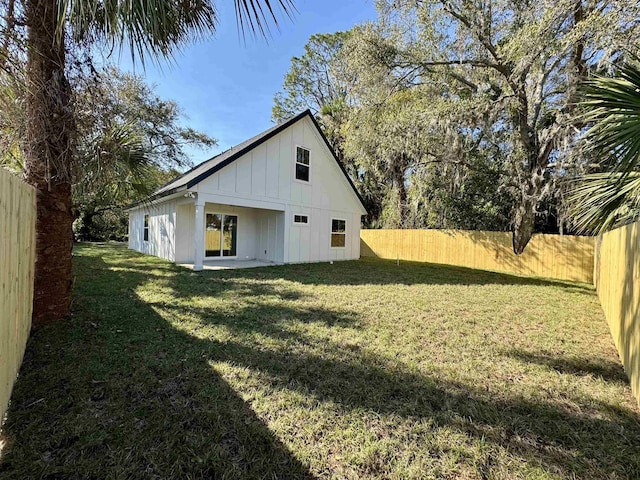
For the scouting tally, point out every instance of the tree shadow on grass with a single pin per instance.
(589, 443)
(374, 271)
(121, 390)
(117, 392)
(602, 368)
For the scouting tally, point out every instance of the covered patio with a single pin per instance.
(212, 235)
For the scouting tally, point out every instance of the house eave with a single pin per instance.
(248, 148)
(216, 168)
(159, 198)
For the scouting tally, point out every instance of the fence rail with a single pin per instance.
(553, 256)
(17, 254)
(617, 279)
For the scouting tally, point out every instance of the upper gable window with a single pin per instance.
(302, 164)
(145, 231)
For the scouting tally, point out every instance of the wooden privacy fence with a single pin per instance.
(552, 256)
(17, 254)
(617, 279)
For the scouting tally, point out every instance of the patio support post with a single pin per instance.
(287, 236)
(198, 239)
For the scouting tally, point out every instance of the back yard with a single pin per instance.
(353, 370)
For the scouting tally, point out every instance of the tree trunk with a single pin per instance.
(536, 163)
(523, 225)
(48, 153)
(399, 178)
(531, 196)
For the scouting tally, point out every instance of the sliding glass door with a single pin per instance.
(221, 235)
(229, 235)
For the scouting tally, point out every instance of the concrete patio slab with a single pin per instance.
(230, 264)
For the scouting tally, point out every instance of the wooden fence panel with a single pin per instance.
(17, 256)
(617, 279)
(553, 256)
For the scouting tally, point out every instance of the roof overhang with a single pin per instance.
(164, 197)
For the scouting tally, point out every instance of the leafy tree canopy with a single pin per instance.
(315, 80)
(130, 142)
(456, 106)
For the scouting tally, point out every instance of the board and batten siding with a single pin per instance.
(312, 242)
(270, 236)
(267, 174)
(162, 231)
(248, 229)
(17, 264)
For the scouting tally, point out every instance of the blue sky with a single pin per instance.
(225, 85)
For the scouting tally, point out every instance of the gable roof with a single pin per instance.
(217, 163)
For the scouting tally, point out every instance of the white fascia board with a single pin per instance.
(157, 201)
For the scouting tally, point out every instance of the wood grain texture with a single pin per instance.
(17, 259)
(552, 256)
(617, 279)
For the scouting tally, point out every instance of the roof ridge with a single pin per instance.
(247, 141)
(228, 156)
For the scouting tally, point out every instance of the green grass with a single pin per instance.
(353, 370)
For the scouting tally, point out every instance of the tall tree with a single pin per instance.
(436, 166)
(152, 28)
(129, 142)
(514, 65)
(384, 141)
(316, 80)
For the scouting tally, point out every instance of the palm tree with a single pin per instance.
(148, 28)
(609, 199)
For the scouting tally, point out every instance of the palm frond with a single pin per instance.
(613, 107)
(603, 201)
(257, 14)
(158, 27)
(116, 162)
(153, 27)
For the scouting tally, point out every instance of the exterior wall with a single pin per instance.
(266, 175)
(312, 242)
(185, 222)
(270, 236)
(162, 231)
(261, 234)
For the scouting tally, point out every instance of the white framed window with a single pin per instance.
(145, 230)
(338, 233)
(299, 219)
(303, 166)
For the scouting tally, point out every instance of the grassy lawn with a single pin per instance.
(353, 370)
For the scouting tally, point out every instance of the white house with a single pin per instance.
(281, 197)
